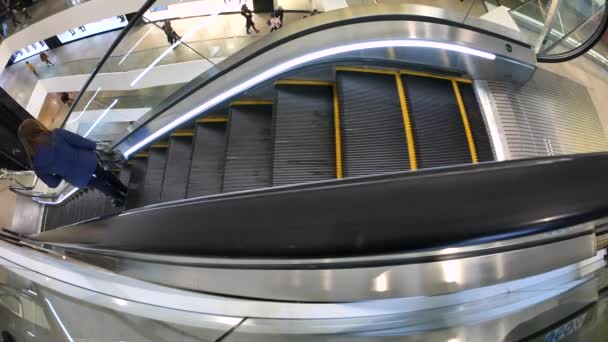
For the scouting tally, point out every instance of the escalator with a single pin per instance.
(367, 121)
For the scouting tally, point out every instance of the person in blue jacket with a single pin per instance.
(62, 155)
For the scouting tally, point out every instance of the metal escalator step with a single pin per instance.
(439, 133)
(179, 158)
(137, 173)
(477, 123)
(303, 126)
(207, 167)
(249, 151)
(155, 172)
(372, 128)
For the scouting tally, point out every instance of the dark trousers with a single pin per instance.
(106, 182)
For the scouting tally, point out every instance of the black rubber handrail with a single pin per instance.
(394, 213)
(105, 57)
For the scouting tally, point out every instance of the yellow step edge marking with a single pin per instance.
(428, 74)
(465, 121)
(141, 155)
(183, 133)
(160, 145)
(407, 123)
(212, 119)
(337, 133)
(368, 70)
(251, 102)
(305, 83)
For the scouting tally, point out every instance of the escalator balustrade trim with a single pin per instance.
(251, 103)
(465, 121)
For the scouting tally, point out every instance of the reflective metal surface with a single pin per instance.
(55, 298)
(355, 284)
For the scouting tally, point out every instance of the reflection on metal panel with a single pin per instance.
(549, 115)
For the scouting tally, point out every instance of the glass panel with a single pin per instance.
(579, 35)
(570, 15)
(17, 15)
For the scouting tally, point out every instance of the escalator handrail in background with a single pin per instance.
(313, 24)
(394, 213)
(582, 48)
(102, 61)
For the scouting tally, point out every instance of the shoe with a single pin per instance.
(118, 202)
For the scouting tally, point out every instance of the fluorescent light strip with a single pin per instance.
(136, 44)
(183, 38)
(65, 331)
(61, 198)
(299, 61)
(85, 107)
(100, 117)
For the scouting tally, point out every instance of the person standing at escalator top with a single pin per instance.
(246, 12)
(62, 155)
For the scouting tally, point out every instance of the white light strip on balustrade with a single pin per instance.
(136, 44)
(183, 38)
(58, 319)
(266, 75)
(85, 107)
(100, 117)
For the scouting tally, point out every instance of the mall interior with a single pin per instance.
(303, 170)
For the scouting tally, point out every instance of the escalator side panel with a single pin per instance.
(439, 133)
(249, 150)
(137, 172)
(179, 158)
(477, 123)
(372, 128)
(155, 172)
(303, 126)
(207, 167)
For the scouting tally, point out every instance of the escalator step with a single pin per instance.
(137, 173)
(249, 150)
(303, 126)
(155, 172)
(209, 151)
(372, 129)
(477, 123)
(179, 158)
(439, 134)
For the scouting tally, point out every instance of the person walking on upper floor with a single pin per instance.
(246, 12)
(275, 23)
(32, 68)
(61, 155)
(66, 99)
(279, 14)
(172, 36)
(45, 58)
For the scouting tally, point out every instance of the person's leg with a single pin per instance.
(36, 73)
(254, 28)
(248, 26)
(109, 184)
